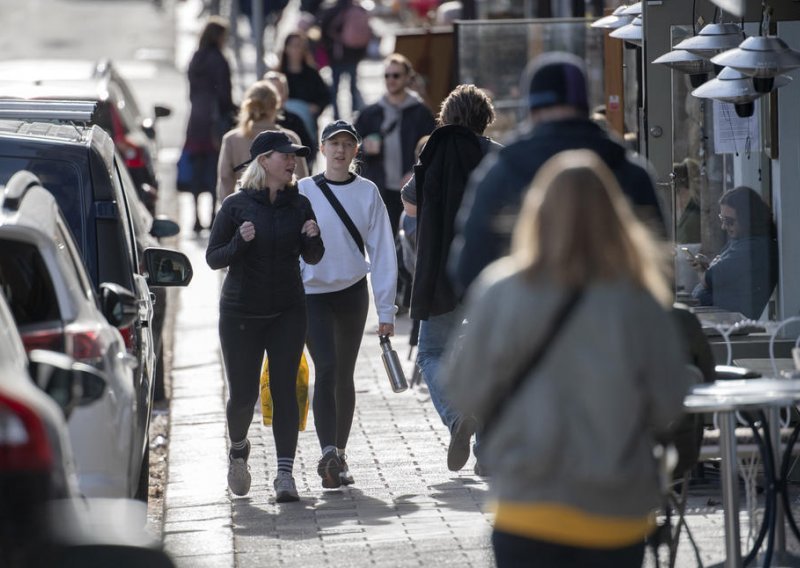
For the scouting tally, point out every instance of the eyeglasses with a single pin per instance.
(392, 75)
(727, 221)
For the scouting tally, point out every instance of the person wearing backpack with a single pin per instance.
(346, 33)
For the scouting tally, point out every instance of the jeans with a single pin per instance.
(434, 334)
(512, 551)
(351, 70)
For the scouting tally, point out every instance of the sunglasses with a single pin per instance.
(392, 75)
(727, 221)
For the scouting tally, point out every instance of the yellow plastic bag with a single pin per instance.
(302, 393)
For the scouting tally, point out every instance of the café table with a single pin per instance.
(726, 398)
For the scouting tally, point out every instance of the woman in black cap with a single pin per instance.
(336, 290)
(258, 235)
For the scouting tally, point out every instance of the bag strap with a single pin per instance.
(319, 179)
(518, 379)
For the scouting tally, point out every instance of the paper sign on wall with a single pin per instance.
(734, 134)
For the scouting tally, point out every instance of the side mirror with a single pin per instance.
(165, 267)
(68, 382)
(162, 111)
(164, 227)
(118, 304)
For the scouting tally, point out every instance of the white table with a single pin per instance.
(726, 398)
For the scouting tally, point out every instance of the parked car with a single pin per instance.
(118, 113)
(36, 465)
(77, 164)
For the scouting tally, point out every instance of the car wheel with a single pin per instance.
(143, 488)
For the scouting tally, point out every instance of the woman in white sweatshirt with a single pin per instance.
(336, 289)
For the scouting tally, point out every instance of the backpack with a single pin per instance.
(356, 31)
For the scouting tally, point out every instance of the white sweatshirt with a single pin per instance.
(343, 264)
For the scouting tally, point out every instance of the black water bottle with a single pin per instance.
(391, 362)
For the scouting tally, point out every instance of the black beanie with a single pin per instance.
(557, 78)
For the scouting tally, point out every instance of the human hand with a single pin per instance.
(248, 231)
(386, 329)
(699, 262)
(310, 228)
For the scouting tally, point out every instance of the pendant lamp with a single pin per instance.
(762, 58)
(617, 19)
(633, 10)
(731, 86)
(632, 33)
(693, 65)
(713, 39)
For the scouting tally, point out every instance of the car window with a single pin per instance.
(127, 115)
(70, 256)
(26, 283)
(59, 177)
(124, 210)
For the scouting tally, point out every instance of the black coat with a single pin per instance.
(212, 109)
(263, 274)
(447, 160)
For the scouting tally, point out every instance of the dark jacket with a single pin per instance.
(308, 86)
(417, 121)
(441, 175)
(494, 195)
(263, 274)
(212, 111)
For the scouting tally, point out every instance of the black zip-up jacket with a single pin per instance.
(263, 274)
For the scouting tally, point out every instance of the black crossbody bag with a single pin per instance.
(319, 179)
(518, 379)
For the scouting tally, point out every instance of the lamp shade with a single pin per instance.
(713, 39)
(631, 32)
(633, 10)
(761, 56)
(616, 20)
(682, 61)
(731, 86)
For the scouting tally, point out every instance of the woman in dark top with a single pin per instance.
(308, 92)
(212, 109)
(258, 235)
(742, 276)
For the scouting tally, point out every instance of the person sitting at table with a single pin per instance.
(742, 276)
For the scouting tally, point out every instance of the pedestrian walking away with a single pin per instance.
(258, 112)
(451, 153)
(390, 129)
(288, 119)
(212, 112)
(574, 364)
(558, 103)
(353, 219)
(259, 234)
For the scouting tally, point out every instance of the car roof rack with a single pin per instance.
(48, 110)
(16, 188)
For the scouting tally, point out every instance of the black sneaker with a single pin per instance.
(345, 476)
(458, 451)
(329, 469)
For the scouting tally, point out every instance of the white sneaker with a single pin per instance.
(285, 489)
(238, 476)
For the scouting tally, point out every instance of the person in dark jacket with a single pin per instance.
(259, 234)
(390, 129)
(288, 119)
(344, 59)
(559, 112)
(451, 153)
(212, 111)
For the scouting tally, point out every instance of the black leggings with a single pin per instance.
(243, 341)
(394, 207)
(336, 323)
(512, 551)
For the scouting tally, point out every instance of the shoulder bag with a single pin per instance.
(319, 179)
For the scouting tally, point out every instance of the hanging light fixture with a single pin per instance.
(731, 86)
(762, 58)
(632, 33)
(617, 19)
(713, 39)
(683, 61)
(633, 10)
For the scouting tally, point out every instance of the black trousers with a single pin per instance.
(512, 551)
(394, 207)
(244, 341)
(336, 323)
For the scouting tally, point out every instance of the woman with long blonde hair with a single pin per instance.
(257, 113)
(570, 451)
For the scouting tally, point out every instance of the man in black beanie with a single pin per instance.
(558, 104)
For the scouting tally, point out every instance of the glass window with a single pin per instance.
(26, 283)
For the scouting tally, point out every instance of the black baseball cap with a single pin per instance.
(273, 141)
(338, 126)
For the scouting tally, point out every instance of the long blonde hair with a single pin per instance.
(576, 226)
(261, 101)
